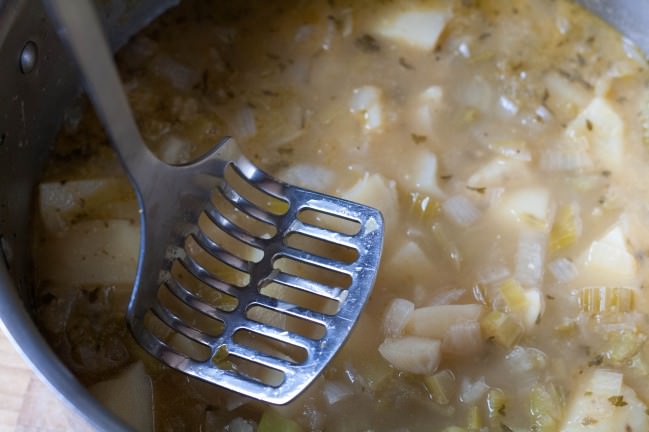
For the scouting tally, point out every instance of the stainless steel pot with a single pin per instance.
(37, 82)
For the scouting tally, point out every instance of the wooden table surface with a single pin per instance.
(26, 404)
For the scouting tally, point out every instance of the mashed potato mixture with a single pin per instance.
(506, 144)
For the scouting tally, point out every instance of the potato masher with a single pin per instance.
(173, 198)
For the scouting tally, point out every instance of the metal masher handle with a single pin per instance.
(78, 25)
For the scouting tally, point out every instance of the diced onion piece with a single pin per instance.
(419, 28)
(534, 308)
(513, 294)
(602, 403)
(367, 102)
(376, 191)
(397, 316)
(461, 211)
(565, 159)
(174, 150)
(497, 172)
(426, 107)
(525, 360)
(445, 243)
(511, 148)
(463, 338)
(608, 261)
(493, 273)
(530, 257)
(601, 126)
(471, 392)
(412, 354)
(567, 98)
(563, 270)
(315, 177)
(545, 407)
(434, 321)
(424, 208)
(594, 300)
(508, 106)
(336, 391)
(240, 425)
(129, 397)
(501, 327)
(566, 229)
(178, 75)
(441, 386)
(246, 124)
(447, 297)
(606, 382)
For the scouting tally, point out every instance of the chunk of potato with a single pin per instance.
(129, 396)
(412, 354)
(91, 253)
(422, 174)
(566, 98)
(603, 129)
(434, 321)
(396, 316)
(376, 191)
(607, 261)
(597, 406)
(417, 28)
(408, 265)
(529, 206)
(60, 203)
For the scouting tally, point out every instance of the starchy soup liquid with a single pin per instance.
(505, 144)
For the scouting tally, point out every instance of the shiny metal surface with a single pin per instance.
(171, 200)
(32, 107)
(630, 17)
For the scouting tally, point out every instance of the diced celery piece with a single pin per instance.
(596, 300)
(444, 241)
(565, 230)
(545, 408)
(501, 327)
(474, 420)
(273, 422)
(496, 405)
(513, 294)
(441, 386)
(375, 373)
(623, 345)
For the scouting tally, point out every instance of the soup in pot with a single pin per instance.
(506, 145)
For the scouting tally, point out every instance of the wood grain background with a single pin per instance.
(27, 404)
